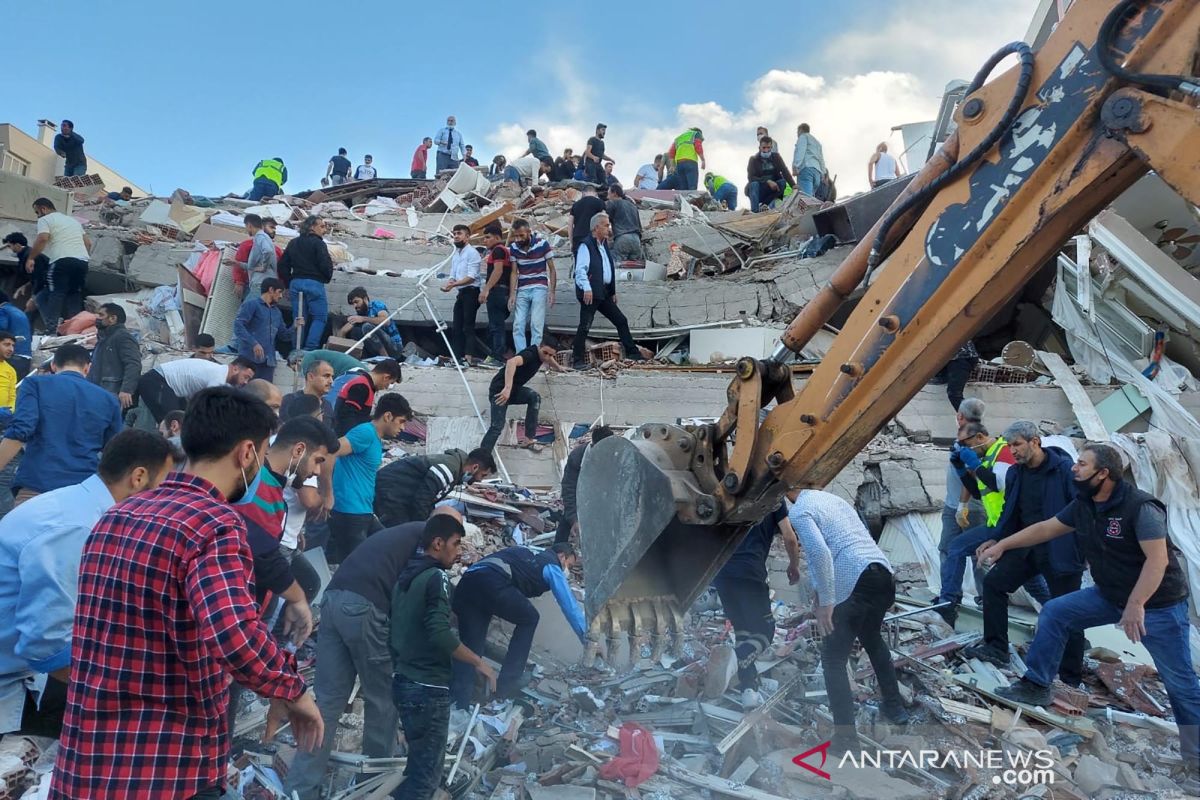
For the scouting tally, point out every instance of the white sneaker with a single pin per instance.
(751, 699)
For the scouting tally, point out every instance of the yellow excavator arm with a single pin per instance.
(1037, 152)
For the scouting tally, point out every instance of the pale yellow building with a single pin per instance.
(33, 158)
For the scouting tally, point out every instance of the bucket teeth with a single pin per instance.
(654, 622)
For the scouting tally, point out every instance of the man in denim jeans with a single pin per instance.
(306, 268)
(1139, 585)
(808, 161)
(423, 646)
(536, 283)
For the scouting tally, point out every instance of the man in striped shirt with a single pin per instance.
(534, 259)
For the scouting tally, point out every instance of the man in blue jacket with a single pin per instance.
(257, 324)
(501, 585)
(1039, 487)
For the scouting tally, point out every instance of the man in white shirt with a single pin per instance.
(449, 146)
(649, 175)
(68, 248)
(464, 276)
(528, 169)
(364, 171)
(169, 386)
(596, 288)
(882, 167)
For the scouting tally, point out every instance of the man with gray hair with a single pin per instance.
(596, 288)
(959, 510)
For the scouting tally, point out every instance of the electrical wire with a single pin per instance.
(1104, 45)
(1003, 125)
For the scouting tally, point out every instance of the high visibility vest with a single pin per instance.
(717, 183)
(993, 501)
(685, 146)
(270, 169)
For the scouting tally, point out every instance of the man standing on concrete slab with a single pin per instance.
(305, 269)
(687, 147)
(500, 586)
(649, 175)
(498, 289)
(270, 175)
(69, 145)
(767, 176)
(627, 225)
(808, 161)
(570, 484)
(420, 159)
(1139, 586)
(596, 289)
(262, 256)
(169, 386)
(62, 423)
(256, 326)
(407, 490)
(746, 596)
(40, 547)
(854, 589)
(594, 158)
(117, 358)
(537, 148)
(721, 190)
(318, 378)
(366, 170)
(464, 276)
(582, 211)
(353, 643)
(537, 282)
(338, 171)
(449, 146)
(882, 168)
(68, 248)
(1038, 487)
(423, 647)
(508, 389)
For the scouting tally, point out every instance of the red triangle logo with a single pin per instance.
(823, 749)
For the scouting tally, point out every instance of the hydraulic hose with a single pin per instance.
(1108, 31)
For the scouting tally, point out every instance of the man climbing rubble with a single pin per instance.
(501, 585)
(746, 596)
(408, 489)
(1139, 586)
(854, 589)
(508, 389)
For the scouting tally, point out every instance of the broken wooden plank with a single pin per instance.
(1081, 404)
(752, 719)
(719, 785)
(478, 225)
(965, 710)
(1080, 725)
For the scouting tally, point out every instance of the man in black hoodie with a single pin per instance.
(423, 646)
(306, 268)
(767, 175)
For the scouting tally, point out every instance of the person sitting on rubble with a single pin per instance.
(353, 644)
(626, 224)
(168, 387)
(270, 175)
(123, 196)
(407, 490)
(596, 290)
(766, 175)
(568, 523)
(1039, 486)
(981, 466)
(258, 324)
(368, 313)
(508, 389)
(722, 190)
(423, 647)
(1140, 586)
(565, 166)
(746, 596)
(355, 391)
(39, 568)
(854, 588)
(500, 586)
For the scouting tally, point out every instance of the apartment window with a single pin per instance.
(11, 163)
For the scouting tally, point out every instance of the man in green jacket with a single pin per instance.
(423, 645)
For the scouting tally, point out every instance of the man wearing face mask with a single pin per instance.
(1139, 586)
(408, 489)
(767, 175)
(170, 570)
(1039, 486)
(117, 359)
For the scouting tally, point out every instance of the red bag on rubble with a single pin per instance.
(638, 759)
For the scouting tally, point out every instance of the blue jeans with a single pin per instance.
(316, 308)
(689, 174)
(511, 174)
(1166, 638)
(761, 194)
(75, 169)
(954, 565)
(263, 187)
(807, 180)
(728, 195)
(531, 310)
(425, 716)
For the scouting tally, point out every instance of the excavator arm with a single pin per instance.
(1038, 151)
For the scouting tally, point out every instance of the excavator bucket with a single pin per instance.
(642, 566)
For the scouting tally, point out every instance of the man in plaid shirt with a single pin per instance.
(166, 617)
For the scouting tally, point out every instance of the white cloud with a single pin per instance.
(884, 71)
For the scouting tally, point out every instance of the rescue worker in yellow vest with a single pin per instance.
(685, 150)
(721, 190)
(982, 463)
(269, 176)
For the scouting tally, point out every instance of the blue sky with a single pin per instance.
(191, 96)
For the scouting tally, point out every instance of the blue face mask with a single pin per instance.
(251, 486)
(468, 478)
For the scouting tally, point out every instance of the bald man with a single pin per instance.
(267, 392)
(350, 646)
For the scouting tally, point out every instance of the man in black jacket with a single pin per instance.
(69, 145)
(408, 489)
(306, 268)
(117, 359)
(570, 483)
(596, 288)
(767, 175)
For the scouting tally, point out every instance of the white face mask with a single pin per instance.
(292, 470)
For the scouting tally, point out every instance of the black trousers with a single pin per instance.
(957, 371)
(747, 604)
(520, 396)
(565, 523)
(348, 531)
(613, 313)
(47, 720)
(481, 595)
(497, 310)
(153, 390)
(860, 616)
(1011, 572)
(462, 334)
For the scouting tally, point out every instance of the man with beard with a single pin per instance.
(117, 359)
(594, 158)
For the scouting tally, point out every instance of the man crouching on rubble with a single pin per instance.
(423, 646)
(1139, 586)
(854, 588)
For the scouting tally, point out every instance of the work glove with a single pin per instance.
(969, 458)
(956, 460)
(963, 515)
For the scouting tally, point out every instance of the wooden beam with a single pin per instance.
(478, 225)
(1081, 404)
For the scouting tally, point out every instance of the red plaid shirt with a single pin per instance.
(165, 616)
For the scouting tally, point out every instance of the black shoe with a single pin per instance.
(894, 710)
(948, 613)
(635, 357)
(579, 366)
(843, 742)
(1026, 692)
(985, 652)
